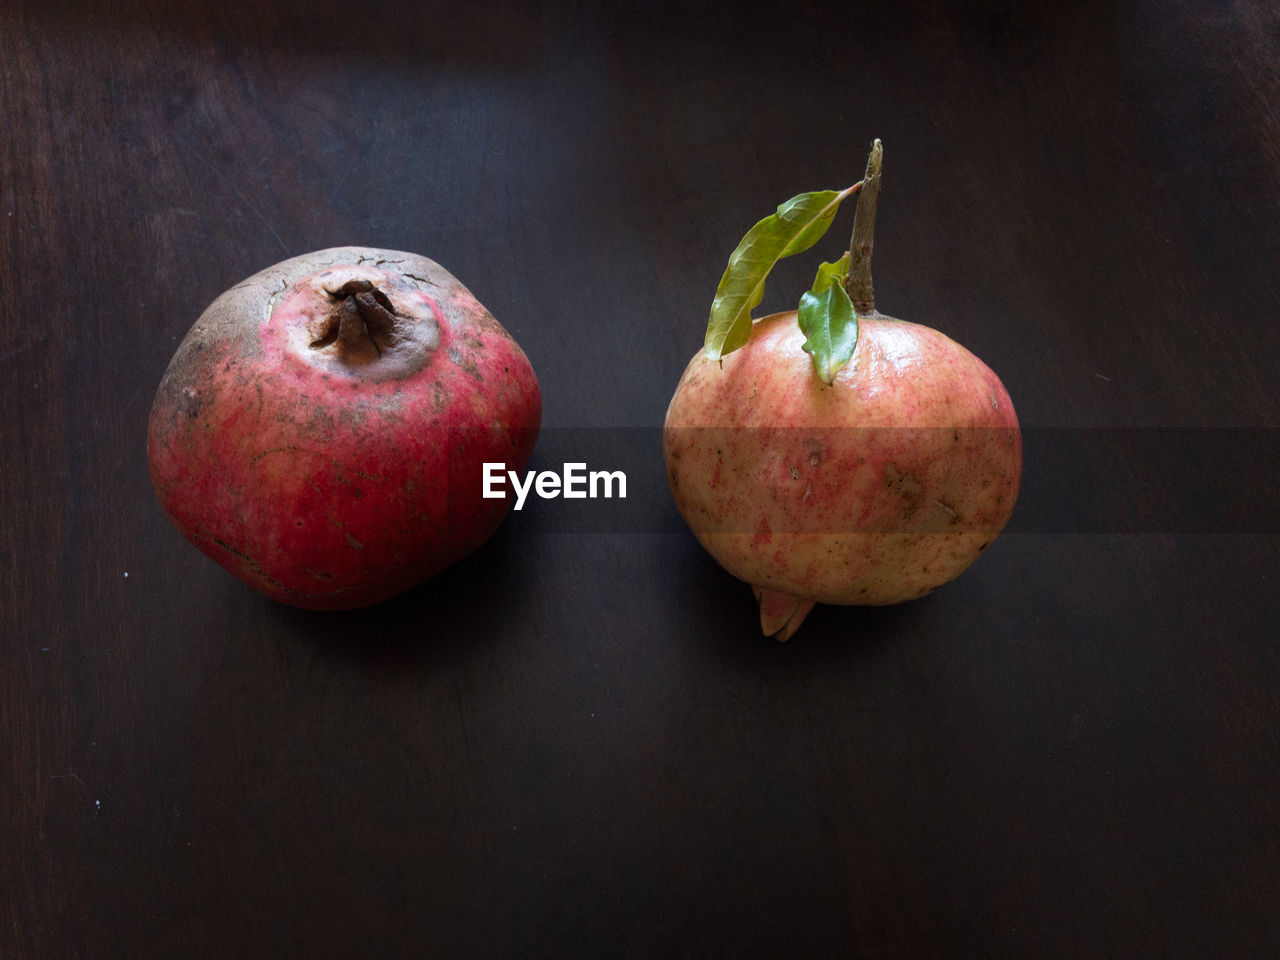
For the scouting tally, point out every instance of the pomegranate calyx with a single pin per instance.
(780, 613)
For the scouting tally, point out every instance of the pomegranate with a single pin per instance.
(816, 477)
(321, 430)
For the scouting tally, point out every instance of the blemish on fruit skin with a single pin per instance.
(814, 446)
(464, 363)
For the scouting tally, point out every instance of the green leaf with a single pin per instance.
(798, 224)
(826, 316)
(829, 273)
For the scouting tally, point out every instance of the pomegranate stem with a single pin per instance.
(858, 283)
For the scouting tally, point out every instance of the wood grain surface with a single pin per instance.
(575, 743)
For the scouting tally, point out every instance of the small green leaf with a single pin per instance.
(829, 273)
(826, 316)
(798, 224)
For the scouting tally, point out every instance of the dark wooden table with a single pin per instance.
(575, 743)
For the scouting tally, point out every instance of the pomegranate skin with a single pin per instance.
(875, 489)
(333, 465)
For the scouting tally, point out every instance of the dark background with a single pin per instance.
(575, 743)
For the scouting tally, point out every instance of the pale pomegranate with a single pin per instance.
(872, 484)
